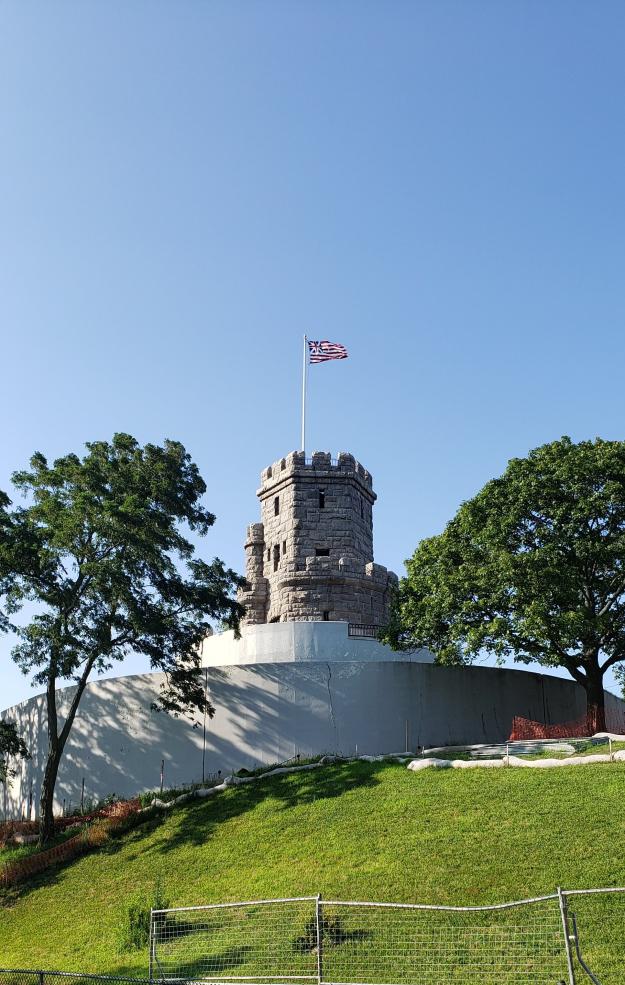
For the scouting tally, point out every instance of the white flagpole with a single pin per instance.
(304, 381)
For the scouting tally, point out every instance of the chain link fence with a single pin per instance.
(565, 937)
(263, 940)
(405, 945)
(29, 977)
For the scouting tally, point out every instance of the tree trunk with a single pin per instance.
(56, 745)
(595, 702)
(46, 802)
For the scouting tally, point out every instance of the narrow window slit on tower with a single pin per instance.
(276, 506)
(284, 546)
(276, 557)
(362, 510)
(322, 551)
(322, 499)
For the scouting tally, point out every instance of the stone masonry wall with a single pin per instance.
(312, 555)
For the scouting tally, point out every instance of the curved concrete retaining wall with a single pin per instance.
(270, 712)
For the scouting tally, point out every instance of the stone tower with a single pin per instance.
(311, 557)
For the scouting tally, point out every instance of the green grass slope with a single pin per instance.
(350, 831)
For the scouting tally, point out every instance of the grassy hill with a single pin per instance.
(349, 831)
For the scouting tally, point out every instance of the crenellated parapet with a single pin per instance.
(319, 462)
(312, 556)
(346, 567)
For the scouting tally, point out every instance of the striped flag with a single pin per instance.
(320, 352)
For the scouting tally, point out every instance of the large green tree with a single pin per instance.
(101, 550)
(533, 567)
(11, 746)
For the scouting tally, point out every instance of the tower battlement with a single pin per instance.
(311, 557)
(321, 461)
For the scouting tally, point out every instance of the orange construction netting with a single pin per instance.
(587, 725)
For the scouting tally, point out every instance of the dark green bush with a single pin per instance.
(331, 931)
(134, 924)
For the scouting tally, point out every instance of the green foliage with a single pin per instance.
(134, 923)
(532, 567)
(100, 550)
(11, 745)
(619, 673)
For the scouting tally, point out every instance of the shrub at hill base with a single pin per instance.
(134, 922)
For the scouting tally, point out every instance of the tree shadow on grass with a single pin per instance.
(10, 895)
(193, 970)
(197, 820)
(210, 964)
(134, 825)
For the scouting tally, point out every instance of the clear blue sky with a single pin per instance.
(188, 187)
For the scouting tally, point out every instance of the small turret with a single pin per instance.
(254, 597)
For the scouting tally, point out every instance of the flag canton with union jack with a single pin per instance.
(320, 352)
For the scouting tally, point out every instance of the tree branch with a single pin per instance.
(611, 599)
(80, 687)
(614, 659)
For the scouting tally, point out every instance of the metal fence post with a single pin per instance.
(592, 977)
(151, 957)
(41, 978)
(319, 918)
(567, 938)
